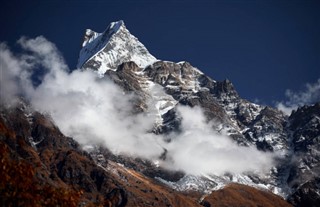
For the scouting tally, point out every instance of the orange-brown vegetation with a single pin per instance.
(18, 186)
(36, 176)
(144, 191)
(237, 195)
(5, 131)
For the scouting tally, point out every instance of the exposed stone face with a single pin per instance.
(304, 173)
(307, 194)
(125, 77)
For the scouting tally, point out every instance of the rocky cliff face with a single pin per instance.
(304, 172)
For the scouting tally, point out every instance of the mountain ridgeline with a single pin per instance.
(100, 177)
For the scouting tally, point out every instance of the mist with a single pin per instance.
(310, 94)
(95, 111)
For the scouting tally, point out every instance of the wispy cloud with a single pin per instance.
(94, 111)
(9, 71)
(199, 149)
(309, 95)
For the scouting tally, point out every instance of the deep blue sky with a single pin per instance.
(263, 47)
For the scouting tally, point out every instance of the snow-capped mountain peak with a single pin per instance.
(107, 50)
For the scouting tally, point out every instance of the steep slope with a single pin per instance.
(240, 195)
(56, 167)
(304, 172)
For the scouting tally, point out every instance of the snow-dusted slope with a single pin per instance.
(107, 50)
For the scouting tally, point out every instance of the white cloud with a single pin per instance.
(310, 95)
(286, 109)
(44, 53)
(93, 110)
(14, 75)
(199, 149)
(9, 69)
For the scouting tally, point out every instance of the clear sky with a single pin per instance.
(263, 46)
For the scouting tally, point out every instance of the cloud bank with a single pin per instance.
(309, 95)
(94, 111)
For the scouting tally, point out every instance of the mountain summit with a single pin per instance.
(107, 50)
